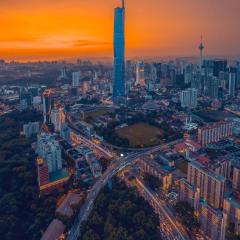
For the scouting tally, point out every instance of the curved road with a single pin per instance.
(114, 168)
(88, 204)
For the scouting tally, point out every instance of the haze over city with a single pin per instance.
(33, 30)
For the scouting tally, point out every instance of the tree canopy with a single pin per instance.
(119, 214)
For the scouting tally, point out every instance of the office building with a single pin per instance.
(119, 54)
(215, 132)
(31, 129)
(189, 98)
(58, 118)
(33, 91)
(140, 75)
(47, 106)
(232, 84)
(76, 76)
(218, 66)
(63, 74)
(196, 82)
(210, 184)
(211, 87)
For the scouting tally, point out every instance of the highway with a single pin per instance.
(114, 168)
(171, 228)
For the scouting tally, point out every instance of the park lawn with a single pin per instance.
(141, 134)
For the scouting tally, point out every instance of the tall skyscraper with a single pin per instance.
(201, 48)
(47, 106)
(119, 54)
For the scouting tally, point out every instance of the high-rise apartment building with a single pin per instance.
(49, 149)
(215, 132)
(231, 209)
(236, 178)
(189, 98)
(119, 54)
(212, 222)
(210, 184)
(189, 193)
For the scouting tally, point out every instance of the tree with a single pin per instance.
(121, 215)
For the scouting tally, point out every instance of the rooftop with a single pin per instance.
(54, 230)
(57, 175)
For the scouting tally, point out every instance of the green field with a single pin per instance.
(141, 134)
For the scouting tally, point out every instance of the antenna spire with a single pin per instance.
(123, 5)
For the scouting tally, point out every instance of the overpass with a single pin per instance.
(98, 150)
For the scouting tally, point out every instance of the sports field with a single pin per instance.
(141, 134)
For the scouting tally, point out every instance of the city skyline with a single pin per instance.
(83, 29)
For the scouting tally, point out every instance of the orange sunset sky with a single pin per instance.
(32, 29)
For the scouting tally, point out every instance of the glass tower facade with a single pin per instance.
(119, 54)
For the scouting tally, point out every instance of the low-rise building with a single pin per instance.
(70, 205)
(54, 231)
(49, 181)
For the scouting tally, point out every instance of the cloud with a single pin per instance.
(89, 43)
